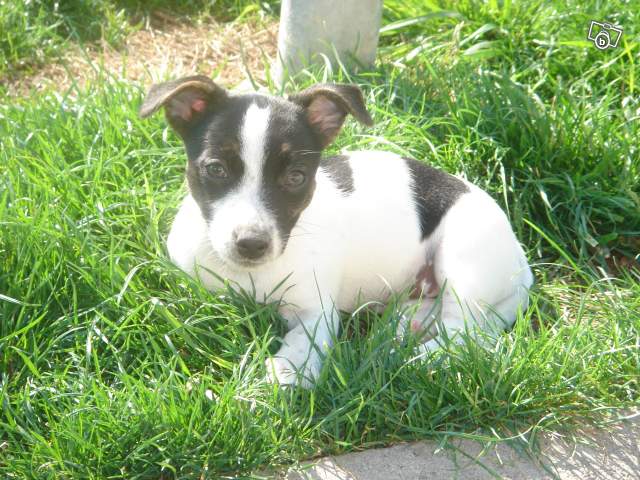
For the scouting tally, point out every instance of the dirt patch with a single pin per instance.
(166, 49)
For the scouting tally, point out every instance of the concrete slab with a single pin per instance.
(612, 454)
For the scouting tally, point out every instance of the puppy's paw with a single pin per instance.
(280, 370)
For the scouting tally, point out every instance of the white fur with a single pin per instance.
(253, 140)
(243, 208)
(346, 250)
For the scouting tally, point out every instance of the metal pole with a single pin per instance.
(310, 29)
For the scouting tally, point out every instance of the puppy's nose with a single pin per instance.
(252, 245)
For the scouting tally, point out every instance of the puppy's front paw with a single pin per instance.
(281, 370)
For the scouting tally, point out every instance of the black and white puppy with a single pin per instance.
(264, 206)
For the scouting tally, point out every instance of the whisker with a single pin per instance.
(307, 152)
(302, 234)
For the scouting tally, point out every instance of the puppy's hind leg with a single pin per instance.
(482, 268)
(480, 320)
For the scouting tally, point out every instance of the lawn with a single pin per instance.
(114, 364)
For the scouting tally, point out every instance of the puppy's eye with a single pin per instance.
(294, 179)
(216, 170)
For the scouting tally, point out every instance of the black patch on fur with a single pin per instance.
(290, 144)
(207, 140)
(339, 171)
(434, 192)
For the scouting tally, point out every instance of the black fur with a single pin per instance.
(434, 192)
(339, 172)
(290, 144)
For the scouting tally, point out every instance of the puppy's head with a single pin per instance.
(252, 159)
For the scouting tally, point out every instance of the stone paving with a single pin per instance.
(612, 454)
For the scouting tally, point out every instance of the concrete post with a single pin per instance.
(312, 27)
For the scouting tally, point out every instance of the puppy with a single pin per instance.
(268, 212)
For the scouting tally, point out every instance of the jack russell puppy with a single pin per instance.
(266, 211)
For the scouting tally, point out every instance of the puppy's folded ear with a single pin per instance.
(185, 100)
(327, 105)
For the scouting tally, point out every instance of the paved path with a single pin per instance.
(600, 455)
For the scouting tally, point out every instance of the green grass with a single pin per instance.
(113, 364)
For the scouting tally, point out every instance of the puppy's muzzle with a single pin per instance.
(252, 244)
